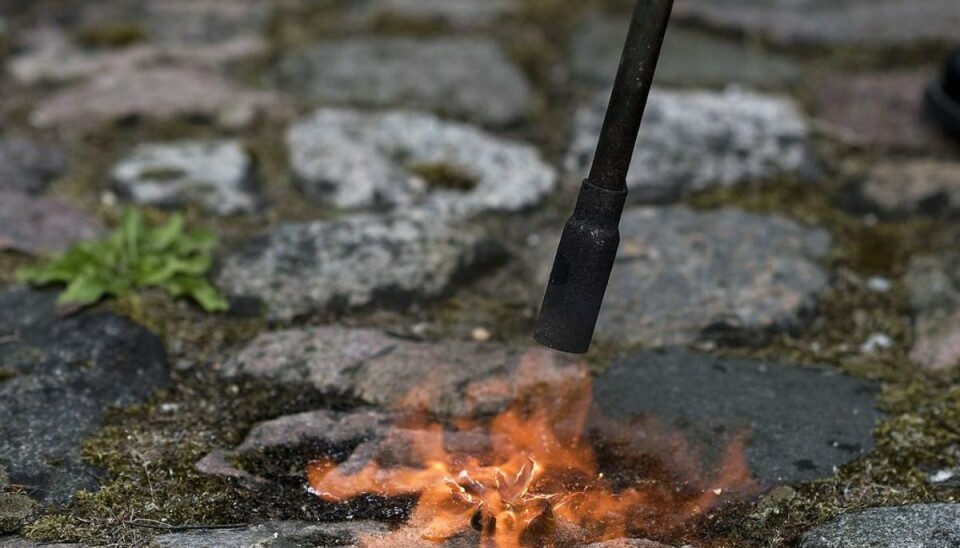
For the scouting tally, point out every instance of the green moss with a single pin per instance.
(444, 176)
(111, 34)
(185, 326)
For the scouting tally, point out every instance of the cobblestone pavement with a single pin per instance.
(387, 180)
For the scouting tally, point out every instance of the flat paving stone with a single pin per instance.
(460, 14)
(933, 285)
(694, 140)
(66, 374)
(801, 422)
(371, 367)
(160, 93)
(689, 58)
(51, 56)
(831, 22)
(220, 176)
(43, 226)
(363, 261)
(354, 160)
(683, 276)
(881, 109)
(279, 534)
(16, 542)
(916, 526)
(914, 187)
(206, 21)
(27, 166)
(462, 77)
(357, 534)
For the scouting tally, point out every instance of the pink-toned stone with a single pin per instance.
(322, 425)
(42, 225)
(51, 57)
(883, 109)
(914, 186)
(217, 463)
(448, 378)
(161, 93)
(938, 343)
(933, 285)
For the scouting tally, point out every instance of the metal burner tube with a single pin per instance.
(588, 247)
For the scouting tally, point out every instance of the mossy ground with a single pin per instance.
(148, 452)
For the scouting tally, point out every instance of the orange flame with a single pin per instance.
(530, 477)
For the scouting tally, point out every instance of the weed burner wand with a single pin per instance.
(591, 236)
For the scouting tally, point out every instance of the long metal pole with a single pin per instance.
(630, 91)
(588, 246)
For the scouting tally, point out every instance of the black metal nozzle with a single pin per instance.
(588, 247)
(585, 257)
(943, 97)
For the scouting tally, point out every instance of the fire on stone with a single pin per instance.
(548, 471)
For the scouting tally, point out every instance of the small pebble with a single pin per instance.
(481, 334)
(877, 341)
(941, 476)
(878, 284)
(108, 198)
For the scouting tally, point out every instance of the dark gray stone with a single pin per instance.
(917, 526)
(218, 175)
(28, 167)
(683, 276)
(357, 262)
(66, 374)
(463, 77)
(831, 22)
(914, 187)
(933, 283)
(688, 58)
(43, 226)
(694, 140)
(801, 421)
(354, 160)
(22, 307)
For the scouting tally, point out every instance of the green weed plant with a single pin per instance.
(134, 256)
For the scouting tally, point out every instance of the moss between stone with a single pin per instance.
(11, 262)
(149, 451)
(444, 176)
(111, 34)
